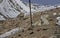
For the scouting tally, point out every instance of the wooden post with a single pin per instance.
(30, 12)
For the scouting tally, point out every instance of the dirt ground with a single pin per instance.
(37, 31)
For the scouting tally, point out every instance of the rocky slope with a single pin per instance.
(12, 8)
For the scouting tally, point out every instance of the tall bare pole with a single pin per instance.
(30, 12)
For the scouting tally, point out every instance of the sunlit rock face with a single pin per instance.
(11, 8)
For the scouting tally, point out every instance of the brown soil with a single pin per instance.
(37, 31)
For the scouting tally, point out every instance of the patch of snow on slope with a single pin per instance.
(13, 31)
(43, 8)
(23, 6)
(2, 18)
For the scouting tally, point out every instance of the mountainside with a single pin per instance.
(12, 8)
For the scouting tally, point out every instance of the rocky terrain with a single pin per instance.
(42, 28)
(15, 20)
